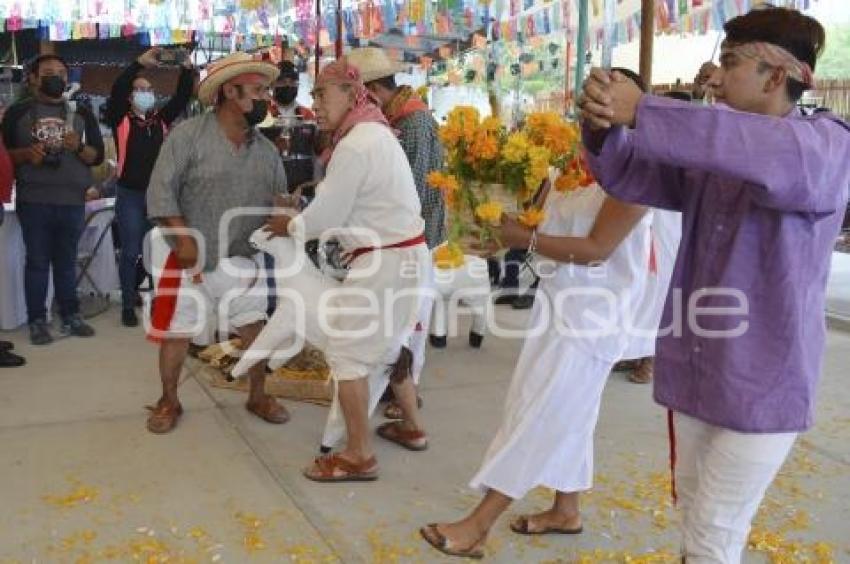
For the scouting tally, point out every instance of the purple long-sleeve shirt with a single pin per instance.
(762, 199)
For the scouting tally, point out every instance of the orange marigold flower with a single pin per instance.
(485, 147)
(566, 181)
(442, 181)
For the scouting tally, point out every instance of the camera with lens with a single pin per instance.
(50, 132)
(176, 56)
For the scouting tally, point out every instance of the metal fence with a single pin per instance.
(832, 94)
(835, 95)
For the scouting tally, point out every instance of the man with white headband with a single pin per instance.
(762, 190)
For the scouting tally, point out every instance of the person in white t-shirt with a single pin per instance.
(368, 202)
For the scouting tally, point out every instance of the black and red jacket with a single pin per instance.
(139, 139)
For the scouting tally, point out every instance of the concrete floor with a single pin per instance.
(85, 482)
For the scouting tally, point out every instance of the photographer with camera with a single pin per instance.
(53, 144)
(139, 130)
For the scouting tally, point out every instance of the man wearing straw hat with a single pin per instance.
(212, 185)
(417, 129)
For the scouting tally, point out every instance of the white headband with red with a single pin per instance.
(775, 56)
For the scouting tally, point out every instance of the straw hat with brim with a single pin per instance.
(228, 68)
(373, 63)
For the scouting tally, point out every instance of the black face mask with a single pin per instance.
(52, 86)
(285, 95)
(258, 112)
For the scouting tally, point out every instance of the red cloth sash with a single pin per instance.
(418, 240)
(653, 260)
(671, 430)
(165, 299)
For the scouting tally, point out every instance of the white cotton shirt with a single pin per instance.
(666, 232)
(368, 197)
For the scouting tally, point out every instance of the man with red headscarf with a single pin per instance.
(418, 134)
(212, 185)
(368, 202)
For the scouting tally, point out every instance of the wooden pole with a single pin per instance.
(609, 34)
(568, 58)
(317, 47)
(339, 42)
(581, 46)
(568, 101)
(647, 38)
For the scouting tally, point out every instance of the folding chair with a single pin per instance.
(97, 226)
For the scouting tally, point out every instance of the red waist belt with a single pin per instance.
(418, 240)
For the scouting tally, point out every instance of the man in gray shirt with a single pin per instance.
(211, 170)
(53, 146)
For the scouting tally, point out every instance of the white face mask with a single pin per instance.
(144, 100)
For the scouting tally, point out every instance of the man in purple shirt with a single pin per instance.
(762, 190)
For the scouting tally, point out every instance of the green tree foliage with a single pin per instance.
(835, 61)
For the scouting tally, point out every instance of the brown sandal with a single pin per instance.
(643, 372)
(520, 525)
(395, 432)
(269, 410)
(334, 468)
(438, 540)
(163, 417)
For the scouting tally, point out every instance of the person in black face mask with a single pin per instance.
(294, 132)
(286, 92)
(53, 149)
(211, 172)
(139, 129)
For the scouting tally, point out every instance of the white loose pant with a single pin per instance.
(721, 478)
(419, 338)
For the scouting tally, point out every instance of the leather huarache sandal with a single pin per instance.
(395, 432)
(334, 468)
(438, 540)
(521, 525)
(643, 372)
(269, 410)
(163, 417)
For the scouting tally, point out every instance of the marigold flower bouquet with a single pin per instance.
(490, 171)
